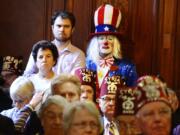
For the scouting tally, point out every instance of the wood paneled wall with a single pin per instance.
(151, 30)
(21, 25)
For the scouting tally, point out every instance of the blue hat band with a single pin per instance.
(105, 28)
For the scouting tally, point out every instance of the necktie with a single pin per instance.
(111, 129)
(106, 62)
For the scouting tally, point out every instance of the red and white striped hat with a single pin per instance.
(106, 19)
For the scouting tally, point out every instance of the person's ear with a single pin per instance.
(72, 30)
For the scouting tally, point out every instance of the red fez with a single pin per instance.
(12, 64)
(86, 76)
(151, 89)
(110, 85)
(126, 101)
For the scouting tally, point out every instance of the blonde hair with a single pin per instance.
(93, 50)
(63, 78)
(22, 87)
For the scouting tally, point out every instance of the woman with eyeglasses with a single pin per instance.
(51, 115)
(82, 118)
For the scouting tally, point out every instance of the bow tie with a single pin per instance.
(106, 62)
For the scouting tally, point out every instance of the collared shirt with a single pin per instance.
(106, 127)
(70, 59)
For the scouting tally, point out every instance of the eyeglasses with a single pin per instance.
(107, 99)
(83, 125)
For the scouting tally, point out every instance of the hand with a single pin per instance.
(36, 99)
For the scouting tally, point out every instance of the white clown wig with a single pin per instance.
(93, 49)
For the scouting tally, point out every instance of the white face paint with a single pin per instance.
(105, 44)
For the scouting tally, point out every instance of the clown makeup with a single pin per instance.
(105, 43)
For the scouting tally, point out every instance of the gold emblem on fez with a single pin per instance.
(11, 60)
(112, 83)
(128, 104)
(152, 92)
(87, 75)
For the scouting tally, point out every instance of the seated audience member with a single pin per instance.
(21, 92)
(11, 69)
(66, 85)
(45, 55)
(82, 118)
(51, 115)
(125, 110)
(88, 86)
(107, 103)
(154, 110)
(6, 126)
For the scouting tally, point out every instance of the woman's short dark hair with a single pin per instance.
(44, 44)
(63, 15)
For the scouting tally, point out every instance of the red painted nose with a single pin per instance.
(105, 43)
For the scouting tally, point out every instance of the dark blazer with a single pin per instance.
(33, 125)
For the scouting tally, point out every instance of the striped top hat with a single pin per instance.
(106, 19)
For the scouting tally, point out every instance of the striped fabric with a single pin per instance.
(111, 129)
(22, 117)
(107, 62)
(108, 15)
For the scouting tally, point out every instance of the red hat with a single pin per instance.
(151, 89)
(126, 101)
(110, 85)
(106, 19)
(12, 64)
(86, 76)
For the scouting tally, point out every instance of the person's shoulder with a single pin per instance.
(90, 64)
(75, 49)
(124, 61)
